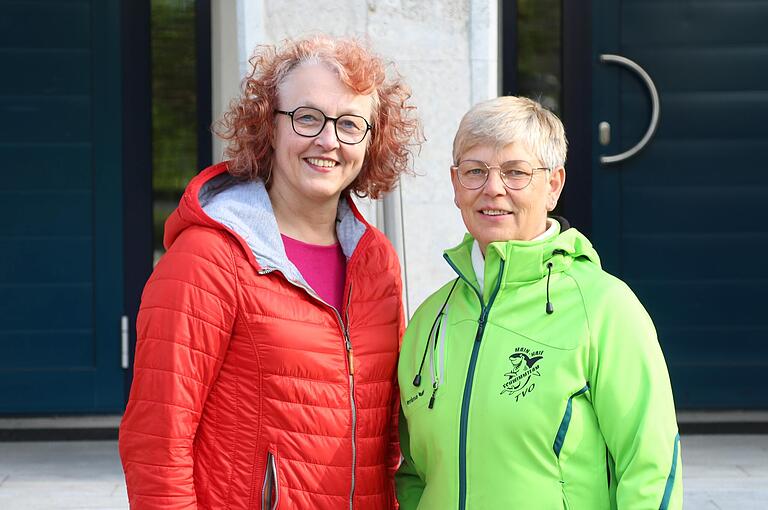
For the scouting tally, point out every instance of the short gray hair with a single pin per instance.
(511, 119)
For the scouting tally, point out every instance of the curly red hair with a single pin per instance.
(249, 123)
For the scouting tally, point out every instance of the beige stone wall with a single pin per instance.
(447, 52)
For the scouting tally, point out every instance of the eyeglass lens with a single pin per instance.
(310, 122)
(514, 174)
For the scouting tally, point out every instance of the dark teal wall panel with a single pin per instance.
(22, 350)
(55, 391)
(45, 24)
(40, 119)
(696, 209)
(678, 163)
(60, 207)
(681, 221)
(696, 69)
(52, 166)
(45, 72)
(708, 115)
(712, 345)
(55, 260)
(46, 214)
(46, 307)
(694, 23)
(689, 256)
(705, 387)
(108, 203)
(711, 303)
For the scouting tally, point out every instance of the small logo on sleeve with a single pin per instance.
(525, 366)
(414, 398)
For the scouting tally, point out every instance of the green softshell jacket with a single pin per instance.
(518, 408)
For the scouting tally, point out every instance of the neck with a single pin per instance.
(305, 221)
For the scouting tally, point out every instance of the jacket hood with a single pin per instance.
(524, 261)
(216, 199)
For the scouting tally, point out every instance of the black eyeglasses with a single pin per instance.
(309, 122)
(515, 175)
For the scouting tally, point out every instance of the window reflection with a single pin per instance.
(174, 107)
(539, 51)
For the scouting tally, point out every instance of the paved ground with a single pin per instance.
(720, 473)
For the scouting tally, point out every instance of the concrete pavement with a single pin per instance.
(720, 472)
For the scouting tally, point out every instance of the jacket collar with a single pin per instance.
(524, 261)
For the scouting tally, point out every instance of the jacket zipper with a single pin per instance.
(437, 356)
(350, 363)
(482, 321)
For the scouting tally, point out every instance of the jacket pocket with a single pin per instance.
(270, 490)
(566, 505)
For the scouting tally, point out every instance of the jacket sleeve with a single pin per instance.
(409, 484)
(183, 329)
(632, 396)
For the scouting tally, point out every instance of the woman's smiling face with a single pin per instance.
(496, 213)
(316, 170)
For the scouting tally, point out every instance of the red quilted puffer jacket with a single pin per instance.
(250, 392)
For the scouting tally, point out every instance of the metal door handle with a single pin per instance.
(629, 64)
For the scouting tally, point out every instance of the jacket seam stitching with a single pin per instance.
(287, 319)
(190, 315)
(204, 258)
(187, 282)
(140, 432)
(195, 411)
(589, 326)
(168, 371)
(239, 317)
(234, 450)
(186, 346)
(387, 406)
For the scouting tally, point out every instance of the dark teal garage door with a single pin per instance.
(683, 221)
(60, 207)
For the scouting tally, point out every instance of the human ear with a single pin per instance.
(556, 183)
(456, 188)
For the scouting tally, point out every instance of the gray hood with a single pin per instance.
(245, 208)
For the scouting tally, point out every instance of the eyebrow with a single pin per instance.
(310, 104)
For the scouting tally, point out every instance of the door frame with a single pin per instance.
(576, 70)
(577, 67)
(137, 165)
(137, 139)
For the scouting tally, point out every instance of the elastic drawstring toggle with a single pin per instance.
(550, 308)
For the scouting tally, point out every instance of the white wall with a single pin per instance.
(447, 52)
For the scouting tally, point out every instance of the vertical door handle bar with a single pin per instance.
(629, 64)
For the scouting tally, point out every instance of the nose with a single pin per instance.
(327, 137)
(494, 186)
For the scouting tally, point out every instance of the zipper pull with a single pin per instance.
(432, 398)
(350, 356)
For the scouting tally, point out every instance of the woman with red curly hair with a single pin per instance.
(268, 335)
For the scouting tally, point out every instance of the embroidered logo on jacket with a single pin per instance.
(525, 366)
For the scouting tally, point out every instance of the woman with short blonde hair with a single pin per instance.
(534, 379)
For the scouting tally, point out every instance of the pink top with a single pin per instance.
(323, 267)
